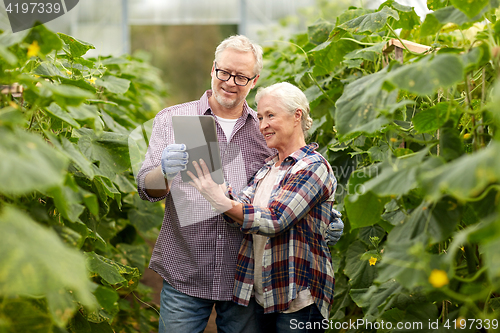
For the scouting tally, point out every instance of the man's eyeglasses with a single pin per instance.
(239, 80)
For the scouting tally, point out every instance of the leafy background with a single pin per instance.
(71, 258)
(413, 140)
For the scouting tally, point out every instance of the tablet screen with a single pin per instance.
(199, 134)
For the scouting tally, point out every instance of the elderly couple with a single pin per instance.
(257, 249)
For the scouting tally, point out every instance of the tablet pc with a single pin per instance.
(199, 134)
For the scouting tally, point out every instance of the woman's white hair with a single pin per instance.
(242, 44)
(291, 98)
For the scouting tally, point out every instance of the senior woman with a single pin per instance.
(284, 260)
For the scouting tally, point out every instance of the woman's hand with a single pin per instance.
(210, 190)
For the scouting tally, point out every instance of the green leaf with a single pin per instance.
(437, 221)
(48, 70)
(24, 316)
(81, 83)
(106, 188)
(371, 22)
(47, 40)
(108, 300)
(103, 327)
(68, 95)
(145, 216)
(370, 53)
(405, 261)
(436, 4)
(57, 112)
(374, 297)
(453, 15)
(365, 211)
(109, 149)
(36, 262)
(330, 54)
(363, 208)
(428, 74)
(105, 268)
(87, 114)
(396, 177)
(67, 202)
(430, 120)
(466, 177)
(113, 84)
(491, 255)
(450, 143)
(352, 14)
(319, 31)
(133, 255)
(360, 273)
(358, 109)
(430, 26)
(419, 317)
(75, 47)
(470, 8)
(11, 116)
(408, 19)
(113, 272)
(72, 151)
(8, 56)
(28, 163)
(473, 59)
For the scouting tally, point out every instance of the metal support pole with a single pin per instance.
(242, 28)
(125, 28)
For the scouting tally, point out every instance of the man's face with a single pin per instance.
(227, 93)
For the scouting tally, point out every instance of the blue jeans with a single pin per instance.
(181, 313)
(306, 320)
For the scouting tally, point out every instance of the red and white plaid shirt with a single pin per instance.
(196, 251)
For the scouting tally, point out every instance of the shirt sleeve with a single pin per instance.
(302, 189)
(157, 142)
(245, 196)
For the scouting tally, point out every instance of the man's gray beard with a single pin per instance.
(228, 105)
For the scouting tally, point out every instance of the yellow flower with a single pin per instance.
(68, 72)
(373, 261)
(91, 81)
(394, 140)
(461, 323)
(33, 49)
(438, 278)
(466, 136)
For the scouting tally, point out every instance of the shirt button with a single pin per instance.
(220, 236)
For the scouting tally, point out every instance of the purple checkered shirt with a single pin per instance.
(296, 256)
(196, 251)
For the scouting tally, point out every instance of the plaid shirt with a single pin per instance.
(196, 250)
(296, 256)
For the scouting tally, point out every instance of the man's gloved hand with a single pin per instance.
(174, 158)
(335, 228)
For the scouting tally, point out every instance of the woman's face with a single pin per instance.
(278, 126)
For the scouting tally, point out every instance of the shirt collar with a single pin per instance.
(295, 156)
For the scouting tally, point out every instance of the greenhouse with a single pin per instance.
(405, 112)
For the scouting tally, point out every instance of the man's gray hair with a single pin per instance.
(291, 98)
(243, 44)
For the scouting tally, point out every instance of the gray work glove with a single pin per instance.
(335, 228)
(174, 158)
